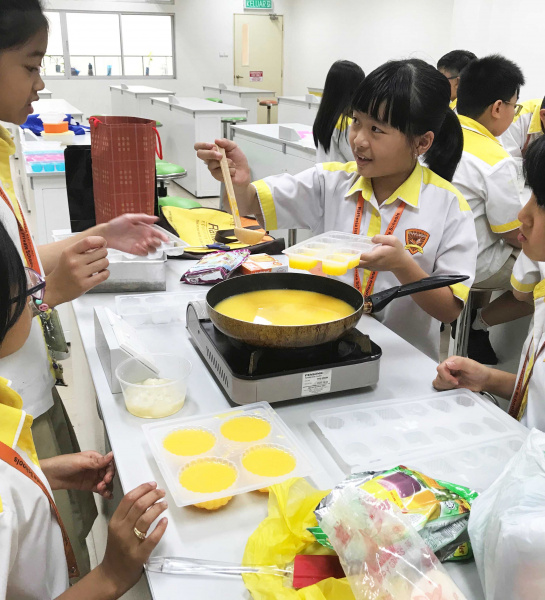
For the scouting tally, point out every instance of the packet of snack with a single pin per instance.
(262, 263)
(381, 553)
(215, 267)
(438, 510)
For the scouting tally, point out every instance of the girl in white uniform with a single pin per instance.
(525, 389)
(400, 112)
(36, 557)
(333, 120)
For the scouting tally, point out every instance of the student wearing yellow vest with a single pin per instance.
(525, 389)
(527, 126)
(72, 267)
(36, 557)
(451, 65)
(332, 122)
(487, 176)
(400, 113)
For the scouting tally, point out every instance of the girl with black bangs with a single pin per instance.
(36, 558)
(525, 389)
(424, 226)
(332, 123)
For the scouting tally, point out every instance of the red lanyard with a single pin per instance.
(522, 384)
(12, 458)
(389, 231)
(27, 245)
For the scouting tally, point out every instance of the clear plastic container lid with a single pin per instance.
(52, 117)
(337, 251)
(415, 432)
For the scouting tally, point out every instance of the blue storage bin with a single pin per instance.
(49, 167)
(37, 167)
(59, 166)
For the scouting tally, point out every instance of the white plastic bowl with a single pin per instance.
(151, 401)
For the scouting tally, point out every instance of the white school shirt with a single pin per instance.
(487, 177)
(339, 148)
(525, 129)
(527, 273)
(29, 369)
(436, 218)
(32, 560)
(534, 413)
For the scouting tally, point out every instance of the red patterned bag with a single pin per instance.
(123, 154)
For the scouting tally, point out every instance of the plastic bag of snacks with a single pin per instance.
(438, 510)
(215, 267)
(382, 555)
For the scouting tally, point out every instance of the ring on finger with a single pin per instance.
(139, 534)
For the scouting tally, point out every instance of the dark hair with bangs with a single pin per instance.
(20, 21)
(414, 97)
(534, 169)
(341, 82)
(14, 285)
(485, 81)
(455, 61)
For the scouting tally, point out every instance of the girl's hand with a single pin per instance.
(238, 164)
(459, 372)
(391, 256)
(133, 233)
(125, 552)
(87, 471)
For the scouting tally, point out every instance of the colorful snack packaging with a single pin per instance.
(215, 267)
(438, 510)
(381, 553)
(262, 263)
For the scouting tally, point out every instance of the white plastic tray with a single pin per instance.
(337, 251)
(457, 436)
(147, 309)
(171, 465)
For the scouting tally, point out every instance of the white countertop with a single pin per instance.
(222, 535)
(200, 105)
(48, 105)
(300, 100)
(270, 132)
(237, 89)
(142, 90)
(44, 92)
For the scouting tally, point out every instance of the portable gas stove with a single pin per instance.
(249, 374)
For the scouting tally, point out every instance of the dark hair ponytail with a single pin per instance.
(341, 82)
(20, 20)
(414, 97)
(13, 283)
(448, 144)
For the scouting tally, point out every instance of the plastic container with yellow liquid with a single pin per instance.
(336, 251)
(205, 460)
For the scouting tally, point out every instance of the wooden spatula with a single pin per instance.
(246, 236)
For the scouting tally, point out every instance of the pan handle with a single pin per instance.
(377, 302)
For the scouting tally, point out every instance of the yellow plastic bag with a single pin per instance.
(198, 226)
(283, 535)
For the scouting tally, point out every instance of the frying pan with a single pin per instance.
(301, 336)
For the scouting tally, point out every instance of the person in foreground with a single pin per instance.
(36, 556)
(525, 389)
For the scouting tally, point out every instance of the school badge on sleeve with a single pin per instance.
(415, 240)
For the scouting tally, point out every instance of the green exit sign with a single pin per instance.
(258, 4)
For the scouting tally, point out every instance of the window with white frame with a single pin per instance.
(100, 44)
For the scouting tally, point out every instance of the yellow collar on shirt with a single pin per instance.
(539, 290)
(469, 123)
(15, 423)
(535, 123)
(408, 191)
(7, 147)
(453, 103)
